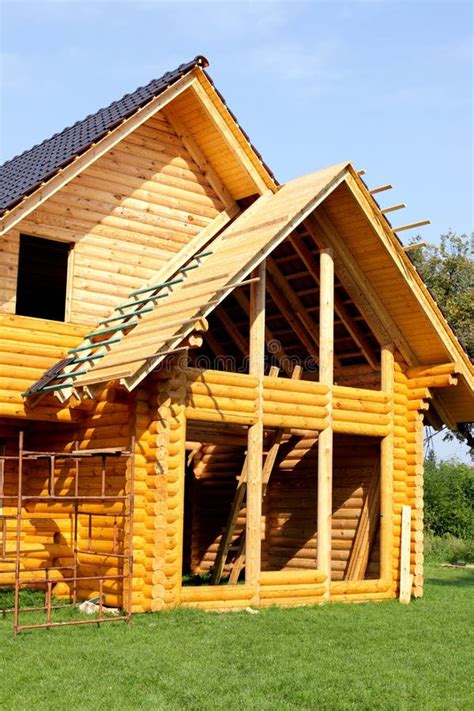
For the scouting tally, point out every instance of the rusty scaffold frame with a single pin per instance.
(69, 574)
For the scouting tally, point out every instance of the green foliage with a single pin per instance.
(448, 270)
(449, 499)
(448, 549)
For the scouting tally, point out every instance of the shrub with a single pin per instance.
(449, 499)
(448, 549)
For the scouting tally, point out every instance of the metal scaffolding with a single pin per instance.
(76, 504)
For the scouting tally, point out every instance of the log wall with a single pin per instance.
(157, 414)
(28, 347)
(126, 215)
(47, 529)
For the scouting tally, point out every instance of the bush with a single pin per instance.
(448, 549)
(449, 499)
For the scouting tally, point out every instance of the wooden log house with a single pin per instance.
(268, 352)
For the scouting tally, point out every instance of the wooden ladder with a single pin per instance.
(239, 497)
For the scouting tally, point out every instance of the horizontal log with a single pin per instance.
(216, 593)
(291, 577)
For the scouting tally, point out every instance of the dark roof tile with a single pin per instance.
(24, 173)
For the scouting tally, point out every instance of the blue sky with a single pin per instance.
(385, 84)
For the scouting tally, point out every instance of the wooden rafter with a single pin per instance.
(229, 137)
(277, 350)
(296, 311)
(340, 308)
(199, 158)
(232, 330)
(284, 307)
(353, 280)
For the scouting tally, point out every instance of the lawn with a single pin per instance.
(340, 656)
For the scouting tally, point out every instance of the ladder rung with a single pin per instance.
(73, 373)
(89, 346)
(172, 282)
(48, 388)
(113, 329)
(122, 316)
(140, 301)
(87, 358)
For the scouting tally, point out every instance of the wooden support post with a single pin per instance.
(386, 472)
(255, 433)
(325, 440)
(406, 578)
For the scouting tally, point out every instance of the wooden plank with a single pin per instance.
(231, 140)
(295, 201)
(253, 523)
(167, 272)
(366, 530)
(406, 579)
(325, 441)
(386, 470)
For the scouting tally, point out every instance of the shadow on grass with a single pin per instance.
(455, 581)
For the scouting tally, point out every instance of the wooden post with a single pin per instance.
(386, 473)
(406, 580)
(325, 440)
(255, 433)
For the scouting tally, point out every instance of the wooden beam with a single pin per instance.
(418, 245)
(406, 579)
(284, 307)
(366, 529)
(386, 470)
(255, 432)
(411, 225)
(359, 338)
(297, 311)
(199, 158)
(229, 137)
(412, 278)
(362, 293)
(83, 161)
(392, 208)
(277, 350)
(232, 330)
(380, 189)
(325, 440)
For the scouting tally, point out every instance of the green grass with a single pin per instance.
(339, 656)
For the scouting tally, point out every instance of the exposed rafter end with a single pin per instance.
(380, 189)
(392, 208)
(418, 245)
(411, 225)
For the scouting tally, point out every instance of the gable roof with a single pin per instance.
(159, 317)
(24, 173)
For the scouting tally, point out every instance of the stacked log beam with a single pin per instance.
(408, 471)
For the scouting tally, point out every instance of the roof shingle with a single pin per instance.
(24, 173)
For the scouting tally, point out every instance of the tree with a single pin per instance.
(448, 271)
